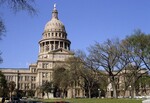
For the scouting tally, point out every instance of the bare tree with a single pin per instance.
(85, 72)
(18, 5)
(108, 56)
(15, 6)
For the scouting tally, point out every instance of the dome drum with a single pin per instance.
(61, 35)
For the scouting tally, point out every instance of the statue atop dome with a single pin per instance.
(54, 12)
(55, 5)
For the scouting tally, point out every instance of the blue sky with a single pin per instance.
(86, 21)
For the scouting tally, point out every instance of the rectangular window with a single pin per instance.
(45, 65)
(33, 70)
(33, 86)
(33, 78)
(26, 78)
(10, 78)
(26, 86)
(44, 75)
(20, 86)
(20, 78)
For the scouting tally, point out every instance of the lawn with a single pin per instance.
(96, 100)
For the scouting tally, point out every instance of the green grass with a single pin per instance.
(96, 100)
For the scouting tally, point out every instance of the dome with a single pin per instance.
(54, 25)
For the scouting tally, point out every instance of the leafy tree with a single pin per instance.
(136, 49)
(11, 86)
(47, 87)
(20, 93)
(143, 84)
(39, 90)
(31, 92)
(61, 79)
(131, 75)
(74, 66)
(139, 43)
(3, 85)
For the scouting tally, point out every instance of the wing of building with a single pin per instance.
(54, 48)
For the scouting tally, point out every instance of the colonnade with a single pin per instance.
(53, 45)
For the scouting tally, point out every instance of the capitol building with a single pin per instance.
(54, 48)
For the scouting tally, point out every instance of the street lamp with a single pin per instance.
(99, 93)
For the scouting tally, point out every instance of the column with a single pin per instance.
(58, 44)
(69, 46)
(43, 47)
(63, 45)
(16, 77)
(40, 48)
(54, 45)
(49, 46)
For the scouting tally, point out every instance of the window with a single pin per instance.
(20, 86)
(45, 35)
(45, 65)
(10, 78)
(56, 34)
(33, 86)
(26, 78)
(33, 78)
(61, 44)
(26, 86)
(20, 78)
(33, 70)
(44, 75)
(62, 35)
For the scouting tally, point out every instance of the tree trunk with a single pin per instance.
(114, 92)
(47, 95)
(11, 96)
(133, 94)
(124, 92)
(114, 88)
(72, 93)
(89, 92)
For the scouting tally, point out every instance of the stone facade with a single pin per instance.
(54, 48)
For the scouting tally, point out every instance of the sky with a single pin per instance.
(86, 22)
